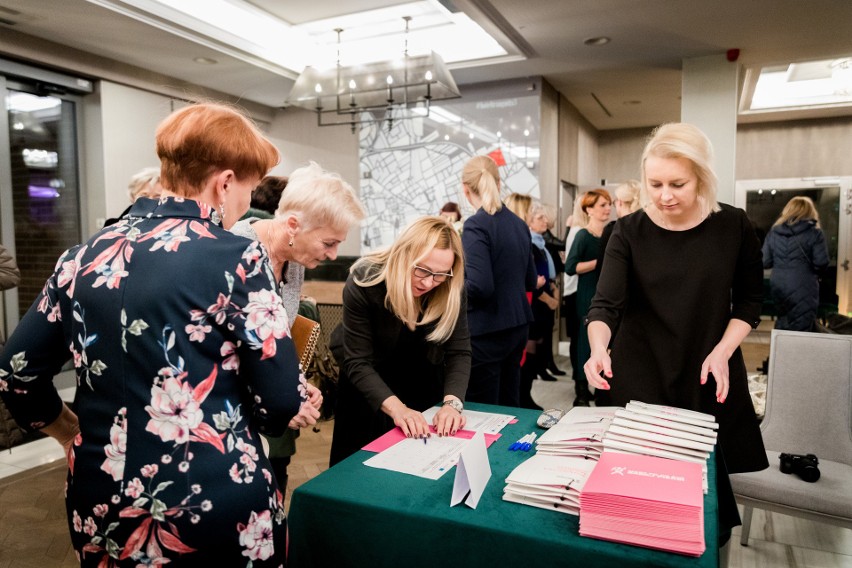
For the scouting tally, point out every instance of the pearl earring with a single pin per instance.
(291, 241)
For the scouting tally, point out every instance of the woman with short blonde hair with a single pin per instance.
(682, 140)
(404, 345)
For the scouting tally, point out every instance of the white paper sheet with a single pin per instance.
(430, 460)
(487, 422)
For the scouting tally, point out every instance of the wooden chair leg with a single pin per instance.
(747, 511)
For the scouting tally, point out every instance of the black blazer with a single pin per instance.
(499, 270)
(370, 335)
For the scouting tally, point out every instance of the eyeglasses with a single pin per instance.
(437, 277)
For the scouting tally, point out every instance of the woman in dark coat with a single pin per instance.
(405, 343)
(795, 250)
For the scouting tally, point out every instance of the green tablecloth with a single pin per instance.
(355, 515)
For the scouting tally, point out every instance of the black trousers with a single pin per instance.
(495, 373)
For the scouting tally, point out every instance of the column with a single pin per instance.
(709, 101)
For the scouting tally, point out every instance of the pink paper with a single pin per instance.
(390, 438)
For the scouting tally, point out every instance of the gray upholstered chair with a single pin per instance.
(808, 411)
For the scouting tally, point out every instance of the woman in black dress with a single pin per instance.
(405, 342)
(683, 280)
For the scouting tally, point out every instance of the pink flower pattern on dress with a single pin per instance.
(197, 420)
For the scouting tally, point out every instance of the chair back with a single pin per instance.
(809, 395)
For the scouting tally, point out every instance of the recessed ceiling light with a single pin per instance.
(633, 102)
(600, 40)
(205, 61)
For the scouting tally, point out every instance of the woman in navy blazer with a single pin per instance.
(499, 271)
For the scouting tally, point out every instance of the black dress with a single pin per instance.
(676, 291)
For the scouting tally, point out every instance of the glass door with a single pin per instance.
(763, 201)
(39, 186)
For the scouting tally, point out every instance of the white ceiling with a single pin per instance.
(636, 77)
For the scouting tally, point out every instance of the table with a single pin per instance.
(359, 516)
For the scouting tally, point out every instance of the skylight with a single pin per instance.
(237, 27)
(810, 84)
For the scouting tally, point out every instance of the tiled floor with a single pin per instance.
(33, 531)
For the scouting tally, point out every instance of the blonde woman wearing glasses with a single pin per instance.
(404, 344)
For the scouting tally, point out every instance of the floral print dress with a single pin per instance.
(182, 354)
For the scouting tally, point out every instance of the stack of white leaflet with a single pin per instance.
(663, 431)
(579, 433)
(549, 482)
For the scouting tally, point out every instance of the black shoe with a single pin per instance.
(554, 370)
(545, 376)
(581, 401)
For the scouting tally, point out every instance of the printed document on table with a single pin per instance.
(486, 422)
(430, 460)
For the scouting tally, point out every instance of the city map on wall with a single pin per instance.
(414, 167)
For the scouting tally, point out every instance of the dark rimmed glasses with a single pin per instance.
(437, 277)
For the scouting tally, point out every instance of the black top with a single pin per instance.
(675, 292)
(381, 357)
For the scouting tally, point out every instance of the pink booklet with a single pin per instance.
(391, 437)
(647, 478)
(646, 501)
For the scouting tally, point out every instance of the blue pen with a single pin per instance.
(527, 445)
(519, 444)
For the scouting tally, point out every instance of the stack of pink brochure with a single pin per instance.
(645, 501)
(663, 431)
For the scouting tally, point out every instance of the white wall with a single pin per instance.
(128, 122)
(296, 134)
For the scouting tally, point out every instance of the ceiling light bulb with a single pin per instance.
(428, 75)
(389, 80)
(352, 84)
(318, 88)
(446, 136)
(526, 132)
(600, 40)
(470, 135)
(499, 134)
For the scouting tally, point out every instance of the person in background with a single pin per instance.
(499, 271)
(265, 198)
(796, 252)
(575, 222)
(404, 344)
(313, 216)
(451, 211)
(10, 277)
(596, 206)
(542, 301)
(145, 183)
(556, 248)
(182, 355)
(683, 282)
(627, 201)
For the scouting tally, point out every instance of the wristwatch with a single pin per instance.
(455, 403)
